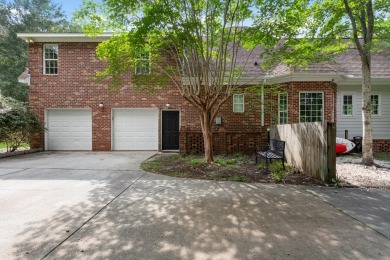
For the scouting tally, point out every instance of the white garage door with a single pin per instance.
(135, 129)
(69, 129)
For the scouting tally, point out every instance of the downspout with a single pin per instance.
(262, 102)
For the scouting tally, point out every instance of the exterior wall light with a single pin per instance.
(167, 105)
(101, 105)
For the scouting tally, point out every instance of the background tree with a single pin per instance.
(366, 23)
(319, 30)
(23, 16)
(194, 44)
(17, 123)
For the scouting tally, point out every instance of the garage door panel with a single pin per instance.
(69, 129)
(135, 129)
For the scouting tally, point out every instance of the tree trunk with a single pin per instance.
(368, 158)
(205, 120)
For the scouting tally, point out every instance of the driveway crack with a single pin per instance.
(14, 172)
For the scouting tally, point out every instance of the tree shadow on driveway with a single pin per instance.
(159, 217)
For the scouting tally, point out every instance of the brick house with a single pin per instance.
(80, 114)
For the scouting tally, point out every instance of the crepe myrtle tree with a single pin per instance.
(330, 28)
(193, 45)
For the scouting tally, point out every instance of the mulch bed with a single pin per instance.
(225, 168)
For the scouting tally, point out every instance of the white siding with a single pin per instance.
(380, 123)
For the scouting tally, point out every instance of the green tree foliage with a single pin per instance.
(313, 31)
(19, 16)
(17, 123)
(193, 44)
(366, 24)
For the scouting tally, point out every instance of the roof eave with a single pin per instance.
(62, 37)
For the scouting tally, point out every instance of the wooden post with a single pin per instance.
(331, 143)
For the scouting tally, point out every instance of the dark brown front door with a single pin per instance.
(170, 130)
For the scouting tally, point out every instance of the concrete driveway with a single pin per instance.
(99, 205)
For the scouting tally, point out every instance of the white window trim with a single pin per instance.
(286, 93)
(243, 103)
(347, 93)
(150, 65)
(323, 103)
(379, 94)
(44, 59)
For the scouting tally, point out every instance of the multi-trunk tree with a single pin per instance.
(202, 40)
(194, 44)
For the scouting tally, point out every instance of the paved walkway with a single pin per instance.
(101, 206)
(370, 206)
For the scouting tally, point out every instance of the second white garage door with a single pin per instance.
(135, 129)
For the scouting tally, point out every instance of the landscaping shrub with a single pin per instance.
(17, 123)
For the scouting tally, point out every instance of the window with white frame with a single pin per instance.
(347, 105)
(375, 105)
(311, 106)
(238, 103)
(50, 59)
(283, 108)
(142, 64)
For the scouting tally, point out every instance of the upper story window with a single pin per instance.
(50, 59)
(283, 108)
(347, 105)
(238, 103)
(375, 105)
(311, 107)
(142, 64)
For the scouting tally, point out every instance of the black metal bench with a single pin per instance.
(275, 152)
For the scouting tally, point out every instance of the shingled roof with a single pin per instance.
(347, 63)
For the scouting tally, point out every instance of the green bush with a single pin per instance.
(17, 123)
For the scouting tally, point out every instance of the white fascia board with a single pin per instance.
(290, 77)
(339, 79)
(62, 37)
(357, 80)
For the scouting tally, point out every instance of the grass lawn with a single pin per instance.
(384, 156)
(235, 167)
(3, 145)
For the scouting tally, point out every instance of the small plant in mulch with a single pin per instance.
(336, 182)
(235, 167)
(277, 171)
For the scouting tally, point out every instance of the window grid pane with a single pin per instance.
(283, 108)
(374, 104)
(142, 65)
(347, 105)
(238, 103)
(311, 108)
(51, 59)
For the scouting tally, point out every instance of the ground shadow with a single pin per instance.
(159, 217)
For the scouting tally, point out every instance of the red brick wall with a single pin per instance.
(73, 87)
(381, 145)
(241, 132)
